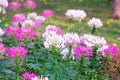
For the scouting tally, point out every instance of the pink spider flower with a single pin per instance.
(55, 29)
(48, 13)
(17, 51)
(30, 3)
(36, 23)
(110, 50)
(17, 19)
(25, 33)
(82, 51)
(14, 5)
(11, 30)
(2, 49)
(28, 76)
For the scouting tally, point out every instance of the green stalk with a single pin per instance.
(93, 30)
(17, 68)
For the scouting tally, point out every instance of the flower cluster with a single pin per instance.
(76, 15)
(82, 51)
(14, 5)
(32, 20)
(3, 6)
(18, 19)
(95, 22)
(71, 38)
(17, 51)
(108, 50)
(40, 78)
(30, 4)
(29, 76)
(1, 32)
(2, 49)
(48, 13)
(20, 33)
(54, 41)
(51, 30)
(91, 40)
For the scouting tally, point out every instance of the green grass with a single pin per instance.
(93, 8)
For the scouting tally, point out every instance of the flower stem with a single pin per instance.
(93, 30)
(17, 67)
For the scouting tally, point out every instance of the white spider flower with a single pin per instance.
(40, 78)
(32, 15)
(1, 32)
(71, 38)
(54, 40)
(91, 40)
(76, 15)
(64, 53)
(40, 18)
(95, 22)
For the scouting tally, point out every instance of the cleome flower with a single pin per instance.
(17, 51)
(30, 4)
(76, 15)
(29, 76)
(40, 78)
(51, 30)
(95, 22)
(2, 49)
(54, 40)
(18, 19)
(71, 38)
(91, 40)
(3, 6)
(48, 13)
(108, 50)
(14, 5)
(80, 51)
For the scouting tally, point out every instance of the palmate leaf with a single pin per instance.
(34, 66)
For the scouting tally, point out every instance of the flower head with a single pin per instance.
(3, 6)
(17, 19)
(18, 51)
(95, 22)
(48, 13)
(76, 15)
(54, 41)
(1, 32)
(91, 40)
(14, 5)
(2, 49)
(109, 49)
(71, 38)
(28, 76)
(40, 78)
(82, 51)
(30, 3)
(51, 30)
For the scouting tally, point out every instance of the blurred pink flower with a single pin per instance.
(110, 50)
(55, 29)
(17, 19)
(20, 33)
(48, 13)
(118, 38)
(14, 5)
(36, 23)
(2, 49)
(11, 30)
(28, 76)
(13, 52)
(30, 3)
(25, 33)
(82, 51)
